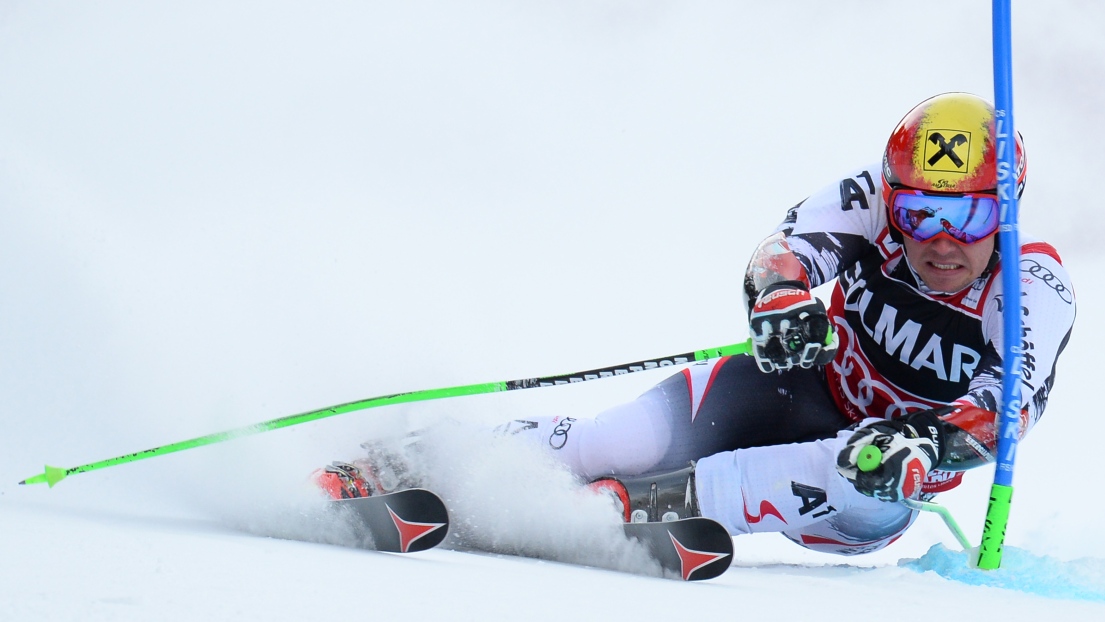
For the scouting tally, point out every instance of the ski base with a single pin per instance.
(694, 548)
(406, 521)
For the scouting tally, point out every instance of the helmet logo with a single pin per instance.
(937, 148)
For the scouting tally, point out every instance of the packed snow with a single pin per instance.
(217, 214)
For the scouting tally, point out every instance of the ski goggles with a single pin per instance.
(965, 218)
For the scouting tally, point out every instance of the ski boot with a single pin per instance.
(380, 472)
(341, 480)
(654, 497)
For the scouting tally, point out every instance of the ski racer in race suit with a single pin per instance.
(907, 357)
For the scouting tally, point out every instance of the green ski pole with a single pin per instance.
(870, 458)
(53, 475)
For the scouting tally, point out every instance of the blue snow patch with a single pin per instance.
(1080, 579)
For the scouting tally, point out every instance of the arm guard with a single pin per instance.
(771, 263)
(970, 436)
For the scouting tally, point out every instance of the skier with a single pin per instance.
(906, 358)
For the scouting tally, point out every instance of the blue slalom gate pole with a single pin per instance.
(1009, 423)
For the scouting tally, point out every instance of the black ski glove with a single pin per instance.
(790, 328)
(889, 460)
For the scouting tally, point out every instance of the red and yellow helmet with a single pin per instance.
(947, 144)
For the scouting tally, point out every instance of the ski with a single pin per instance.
(415, 519)
(406, 521)
(695, 548)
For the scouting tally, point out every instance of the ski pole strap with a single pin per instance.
(53, 475)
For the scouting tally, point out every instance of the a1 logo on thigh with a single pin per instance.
(812, 498)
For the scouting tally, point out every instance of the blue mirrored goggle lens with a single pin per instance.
(966, 218)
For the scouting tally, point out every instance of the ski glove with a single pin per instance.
(790, 328)
(889, 460)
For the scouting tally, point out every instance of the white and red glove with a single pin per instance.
(889, 460)
(790, 328)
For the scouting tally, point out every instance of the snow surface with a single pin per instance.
(215, 214)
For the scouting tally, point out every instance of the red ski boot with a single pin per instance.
(341, 480)
(380, 472)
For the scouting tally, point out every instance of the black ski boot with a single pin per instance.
(652, 497)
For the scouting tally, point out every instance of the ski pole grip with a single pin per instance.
(869, 459)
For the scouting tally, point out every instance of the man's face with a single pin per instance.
(948, 266)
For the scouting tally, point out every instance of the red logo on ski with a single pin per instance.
(409, 531)
(691, 560)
